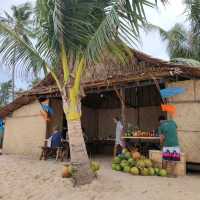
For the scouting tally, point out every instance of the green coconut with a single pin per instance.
(125, 151)
(126, 169)
(131, 162)
(95, 166)
(163, 172)
(151, 171)
(144, 172)
(121, 157)
(114, 166)
(118, 167)
(156, 170)
(127, 155)
(140, 164)
(148, 163)
(124, 163)
(134, 171)
(116, 160)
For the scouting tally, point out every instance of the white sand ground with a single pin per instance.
(22, 178)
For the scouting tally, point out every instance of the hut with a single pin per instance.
(111, 90)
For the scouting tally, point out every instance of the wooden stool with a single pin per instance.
(44, 154)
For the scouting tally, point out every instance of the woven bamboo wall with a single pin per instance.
(188, 118)
(25, 131)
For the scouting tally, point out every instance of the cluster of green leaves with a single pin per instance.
(86, 27)
(184, 43)
(5, 93)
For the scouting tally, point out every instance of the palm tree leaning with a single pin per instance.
(72, 36)
(18, 22)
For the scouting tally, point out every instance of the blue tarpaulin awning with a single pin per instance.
(172, 91)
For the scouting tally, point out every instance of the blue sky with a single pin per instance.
(165, 17)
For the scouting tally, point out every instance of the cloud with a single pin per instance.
(165, 17)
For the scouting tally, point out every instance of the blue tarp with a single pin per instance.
(47, 108)
(1, 125)
(170, 92)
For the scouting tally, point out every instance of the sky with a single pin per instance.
(165, 16)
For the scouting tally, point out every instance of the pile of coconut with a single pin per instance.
(134, 163)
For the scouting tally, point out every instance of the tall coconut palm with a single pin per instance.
(19, 22)
(73, 35)
(183, 44)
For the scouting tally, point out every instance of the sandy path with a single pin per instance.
(25, 179)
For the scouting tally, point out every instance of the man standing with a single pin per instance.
(119, 143)
(169, 140)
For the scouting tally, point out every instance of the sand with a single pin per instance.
(22, 178)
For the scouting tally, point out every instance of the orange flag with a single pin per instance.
(168, 108)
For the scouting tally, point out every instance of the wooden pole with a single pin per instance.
(123, 106)
(121, 96)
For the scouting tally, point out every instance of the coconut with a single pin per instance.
(127, 155)
(126, 169)
(156, 171)
(118, 167)
(134, 171)
(124, 163)
(148, 163)
(144, 172)
(114, 166)
(66, 172)
(116, 160)
(163, 172)
(136, 155)
(151, 171)
(95, 166)
(131, 162)
(140, 164)
(125, 151)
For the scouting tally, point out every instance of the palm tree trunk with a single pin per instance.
(79, 157)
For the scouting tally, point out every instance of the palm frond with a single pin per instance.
(193, 14)
(13, 46)
(185, 61)
(163, 33)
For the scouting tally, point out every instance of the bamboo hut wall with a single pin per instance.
(56, 120)
(187, 118)
(25, 131)
(148, 117)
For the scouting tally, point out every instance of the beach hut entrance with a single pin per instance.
(141, 109)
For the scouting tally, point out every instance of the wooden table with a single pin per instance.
(142, 142)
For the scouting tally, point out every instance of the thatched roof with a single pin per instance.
(140, 67)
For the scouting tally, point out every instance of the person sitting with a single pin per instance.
(56, 138)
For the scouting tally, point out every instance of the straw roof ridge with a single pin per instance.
(140, 67)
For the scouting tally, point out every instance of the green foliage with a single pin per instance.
(86, 28)
(184, 44)
(5, 93)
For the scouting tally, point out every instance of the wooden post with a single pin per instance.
(121, 96)
(123, 106)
